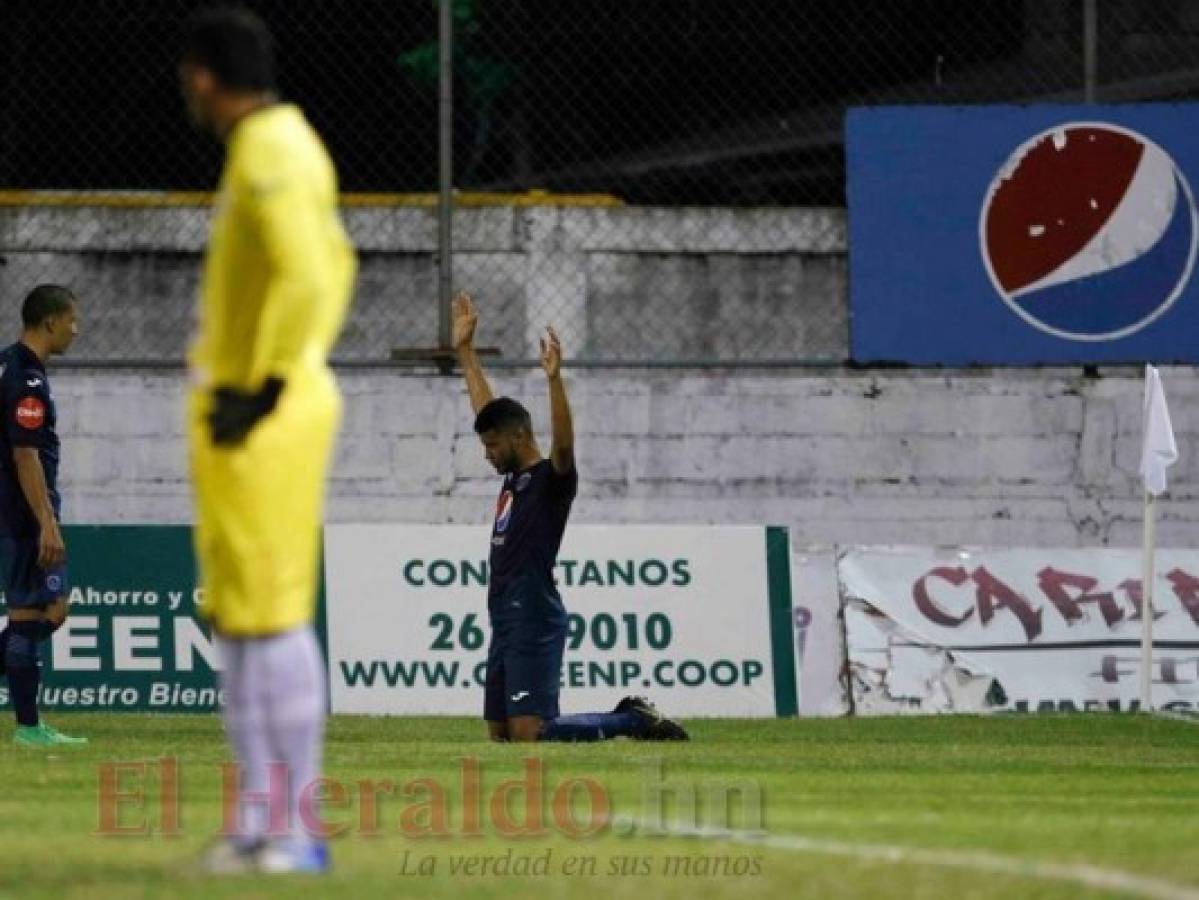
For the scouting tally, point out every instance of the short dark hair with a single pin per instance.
(235, 46)
(503, 414)
(44, 302)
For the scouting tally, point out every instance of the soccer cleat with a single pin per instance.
(655, 726)
(42, 735)
(286, 857)
(59, 738)
(224, 857)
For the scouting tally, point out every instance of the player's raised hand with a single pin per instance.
(551, 353)
(465, 320)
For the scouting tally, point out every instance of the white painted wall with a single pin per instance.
(988, 457)
(622, 283)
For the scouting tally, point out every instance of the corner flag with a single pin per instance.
(1158, 450)
(1158, 453)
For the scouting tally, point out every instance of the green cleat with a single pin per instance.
(42, 735)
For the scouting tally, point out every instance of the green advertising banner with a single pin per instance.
(132, 640)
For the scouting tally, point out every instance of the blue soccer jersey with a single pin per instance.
(530, 519)
(30, 419)
(528, 620)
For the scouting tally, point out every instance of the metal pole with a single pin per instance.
(1090, 48)
(445, 152)
(1146, 692)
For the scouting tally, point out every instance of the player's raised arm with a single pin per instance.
(562, 431)
(465, 320)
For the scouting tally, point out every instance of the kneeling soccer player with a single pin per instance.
(528, 620)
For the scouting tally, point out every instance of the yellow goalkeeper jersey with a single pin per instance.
(277, 281)
(279, 267)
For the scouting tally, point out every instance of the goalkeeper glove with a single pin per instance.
(235, 412)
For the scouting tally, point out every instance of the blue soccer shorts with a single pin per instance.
(26, 584)
(524, 659)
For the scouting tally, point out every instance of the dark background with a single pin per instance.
(658, 101)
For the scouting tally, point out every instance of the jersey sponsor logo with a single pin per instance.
(34, 382)
(503, 512)
(519, 695)
(31, 413)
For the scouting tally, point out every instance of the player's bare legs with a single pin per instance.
(524, 729)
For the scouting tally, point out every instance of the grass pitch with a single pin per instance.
(1069, 806)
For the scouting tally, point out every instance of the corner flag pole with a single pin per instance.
(1147, 604)
(1158, 452)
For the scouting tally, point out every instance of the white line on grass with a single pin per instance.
(1191, 719)
(979, 861)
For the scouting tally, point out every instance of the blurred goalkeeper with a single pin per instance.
(528, 620)
(262, 411)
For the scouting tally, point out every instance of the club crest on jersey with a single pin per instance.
(503, 512)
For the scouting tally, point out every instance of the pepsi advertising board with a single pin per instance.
(1023, 235)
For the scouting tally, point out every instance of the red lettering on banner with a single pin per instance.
(1132, 587)
(933, 611)
(1054, 584)
(994, 595)
(1109, 669)
(1186, 589)
(1067, 591)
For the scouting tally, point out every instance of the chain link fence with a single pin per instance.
(661, 179)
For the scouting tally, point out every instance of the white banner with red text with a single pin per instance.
(1018, 629)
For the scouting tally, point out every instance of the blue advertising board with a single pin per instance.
(1023, 234)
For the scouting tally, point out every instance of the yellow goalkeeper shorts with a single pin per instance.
(259, 508)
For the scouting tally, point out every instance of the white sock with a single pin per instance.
(245, 726)
(293, 674)
(275, 713)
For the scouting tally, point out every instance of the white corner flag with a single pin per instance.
(1158, 450)
(1158, 453)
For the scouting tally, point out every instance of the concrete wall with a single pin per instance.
(620, 283)
(1028, 457)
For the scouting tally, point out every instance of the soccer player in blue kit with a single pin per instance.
(32, 554)
(528, 620)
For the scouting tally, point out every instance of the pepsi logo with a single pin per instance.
(1088, 231)
(503, 512)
